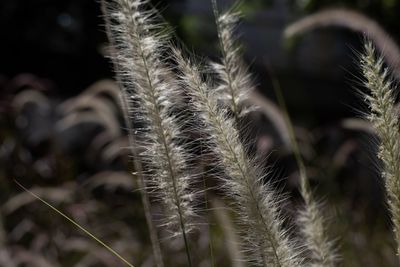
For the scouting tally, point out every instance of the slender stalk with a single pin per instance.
(2, 233)
(311, 221)
(77, 225)
(210, 244)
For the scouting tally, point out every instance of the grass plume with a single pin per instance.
(384, 119)
(235, 81)
(255, 201)
(137, 164)
(140, 44)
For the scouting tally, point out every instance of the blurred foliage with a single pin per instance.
(385, 11)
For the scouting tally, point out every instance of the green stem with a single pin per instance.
(77, 225)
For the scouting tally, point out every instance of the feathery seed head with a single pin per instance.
(386, 123)
(235, 81)
(140, 43)
(254, 200)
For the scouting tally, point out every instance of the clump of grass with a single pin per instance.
(151, 89)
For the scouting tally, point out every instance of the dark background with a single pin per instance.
(62, 42)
